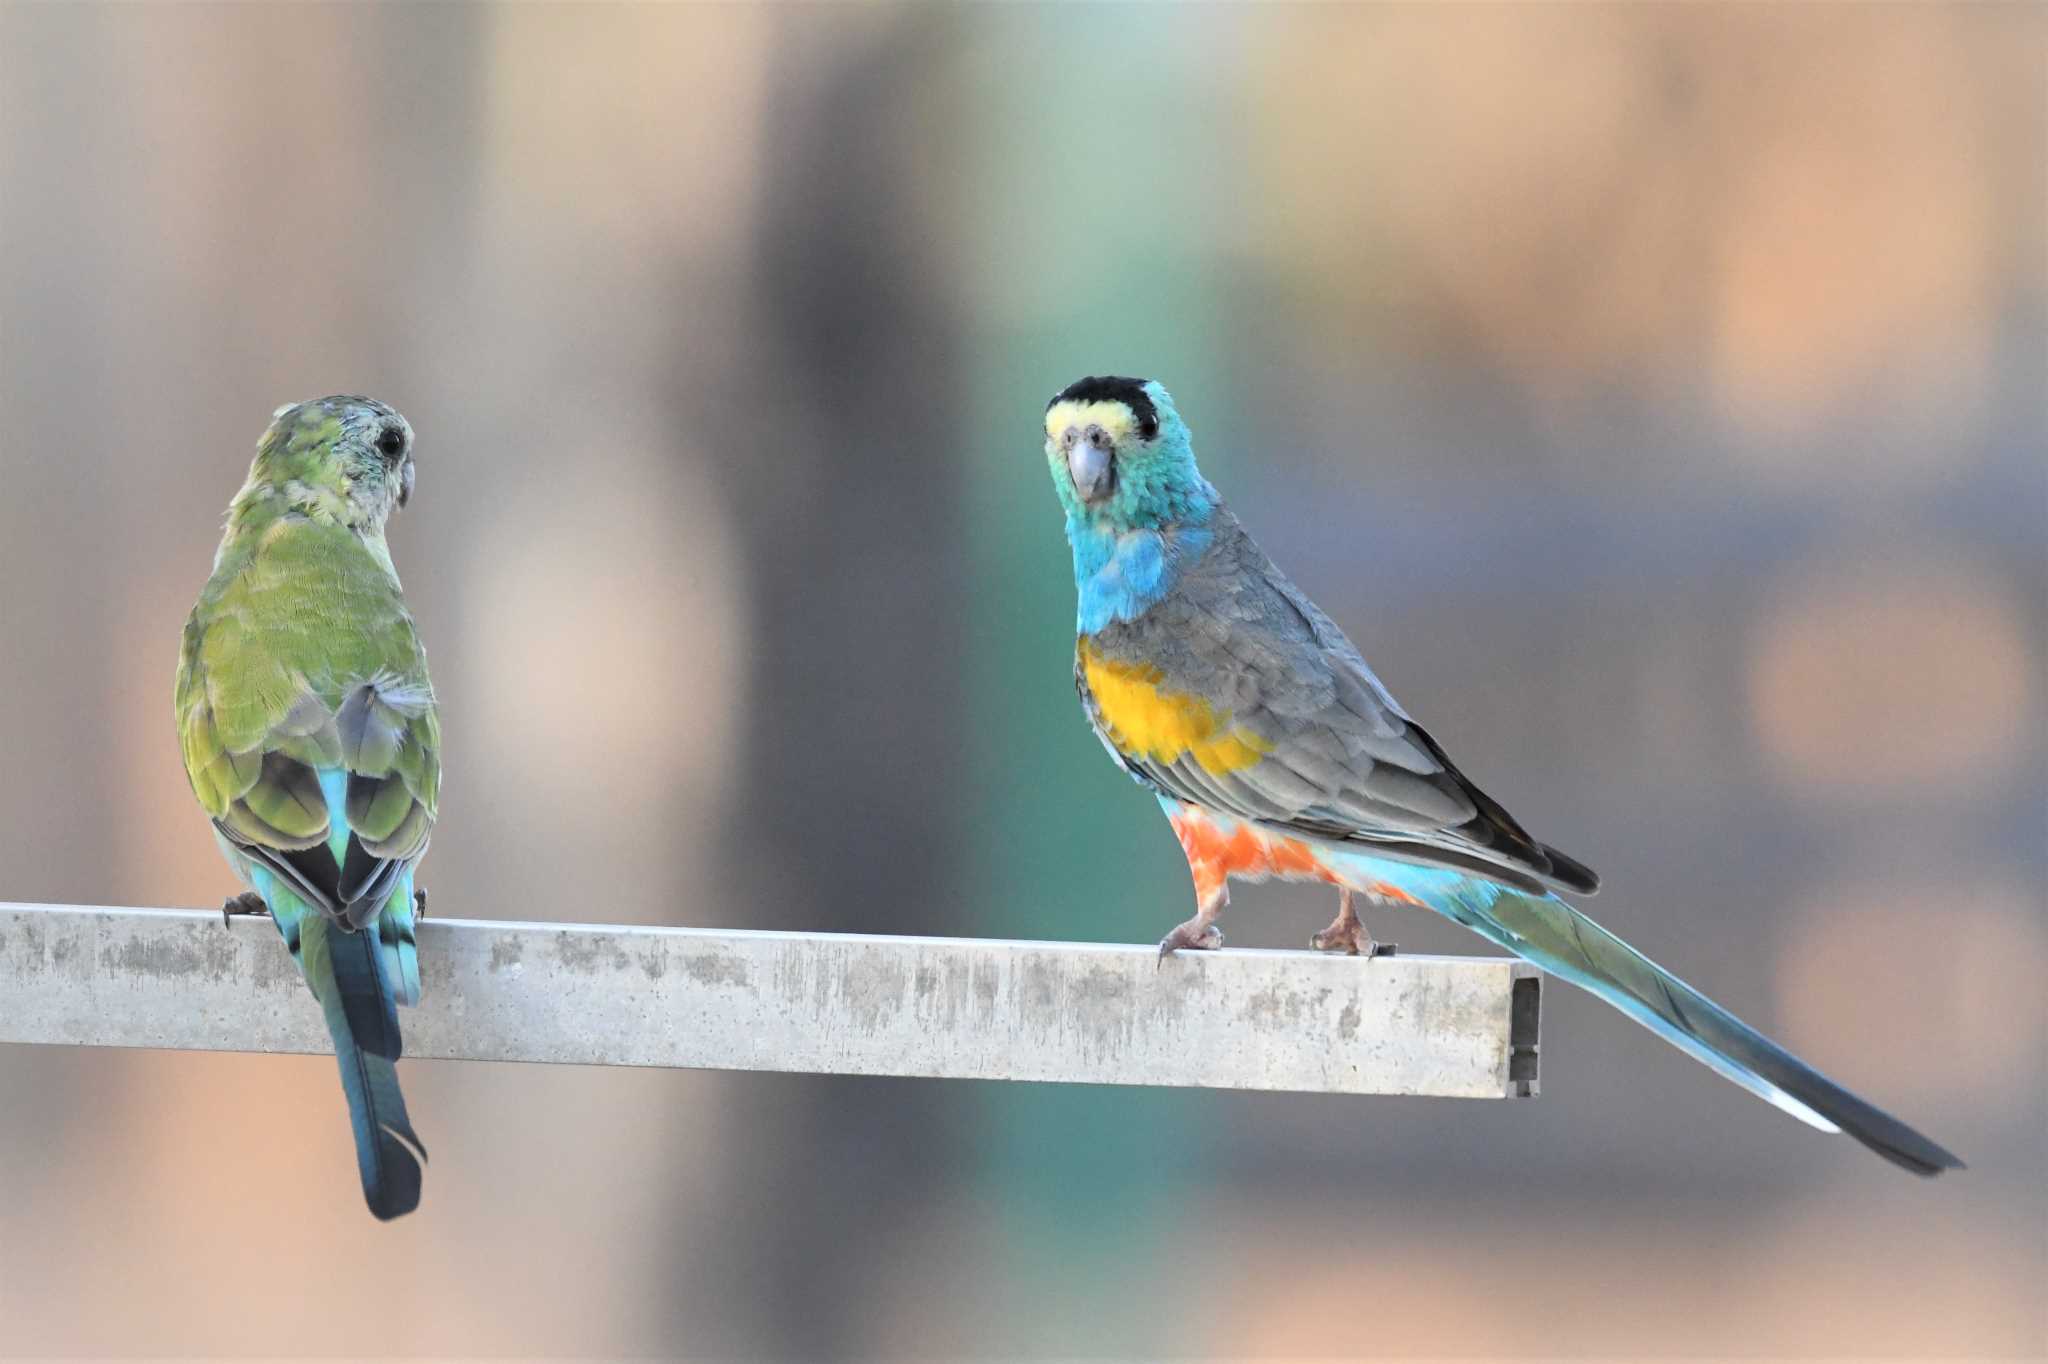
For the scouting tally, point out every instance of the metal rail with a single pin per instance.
(962, 1008)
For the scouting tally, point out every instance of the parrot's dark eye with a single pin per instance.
(391, 442)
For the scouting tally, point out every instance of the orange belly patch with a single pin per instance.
(1218, 851)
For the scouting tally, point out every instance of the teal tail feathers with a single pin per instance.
(1564, 942)
(397, 938)
(362, 1017)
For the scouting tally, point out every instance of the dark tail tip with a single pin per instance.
(1914, 1152)
(1875, 1128)
(1572, 872)
(394, 1191)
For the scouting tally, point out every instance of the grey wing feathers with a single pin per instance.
(1342, 760)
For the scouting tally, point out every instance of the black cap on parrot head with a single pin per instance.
(1109, 388)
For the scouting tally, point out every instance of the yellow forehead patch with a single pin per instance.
(1145, 721)
(1112, 417)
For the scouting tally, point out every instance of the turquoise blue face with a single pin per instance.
(1136, 504)
(1121, 459)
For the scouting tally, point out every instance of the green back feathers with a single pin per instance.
(300, 655)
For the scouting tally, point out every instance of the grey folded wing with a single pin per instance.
(1338, 759)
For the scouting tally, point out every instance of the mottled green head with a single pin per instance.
(1121, 458)
(342, 459)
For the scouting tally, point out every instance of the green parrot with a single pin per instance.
(313, 742)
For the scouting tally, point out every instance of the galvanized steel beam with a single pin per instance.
(962, 1008)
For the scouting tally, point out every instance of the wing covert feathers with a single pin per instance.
(1235, 692)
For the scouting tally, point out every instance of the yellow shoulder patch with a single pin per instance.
(1145, 721)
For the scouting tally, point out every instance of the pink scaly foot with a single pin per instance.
(1347, 934)
(1200, 933)
(1194, 934)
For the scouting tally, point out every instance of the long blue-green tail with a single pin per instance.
(1555, 936)
(345, 972)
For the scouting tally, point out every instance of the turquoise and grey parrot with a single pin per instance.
(1274, 751)
(313, 742)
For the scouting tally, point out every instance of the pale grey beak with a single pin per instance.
(1093, 469)
(405, 484)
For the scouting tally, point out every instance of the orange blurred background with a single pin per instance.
(1654, 392)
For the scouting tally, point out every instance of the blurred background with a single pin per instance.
(1655, 393)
